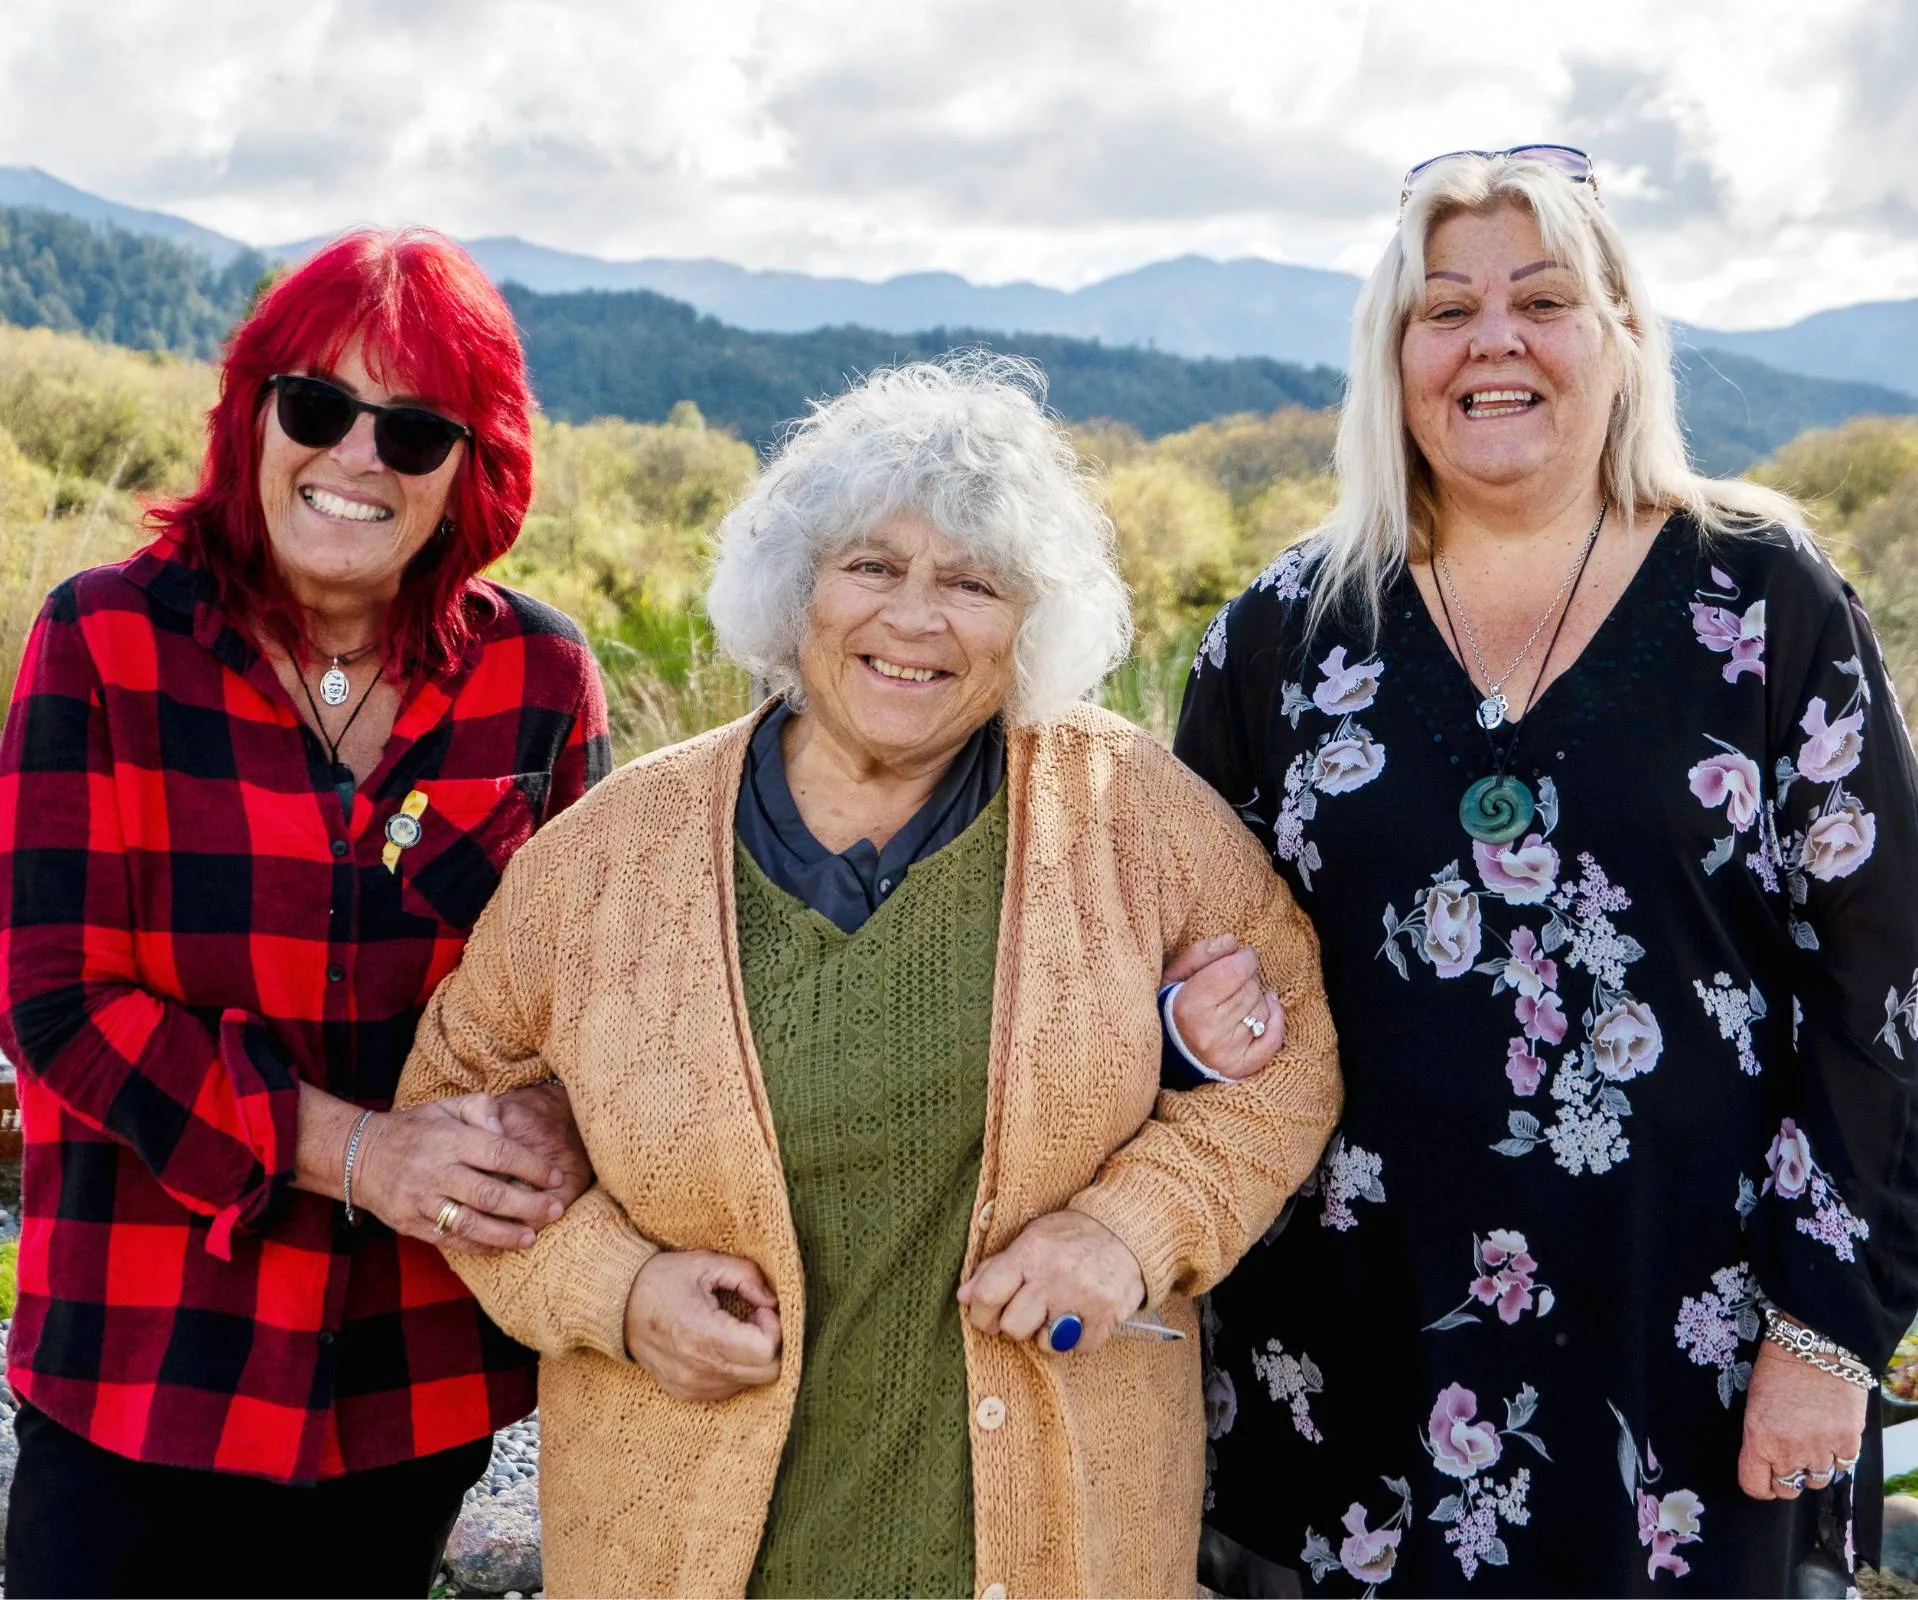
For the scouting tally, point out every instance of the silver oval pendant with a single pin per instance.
(1491, 711)
(333, 686)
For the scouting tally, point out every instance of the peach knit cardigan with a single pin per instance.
(609, 958)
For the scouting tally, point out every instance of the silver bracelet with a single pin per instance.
(352, 1155)
(1827, 1355)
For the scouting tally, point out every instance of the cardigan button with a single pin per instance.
(991, 1413)
(985, 1216)
(993, 1591)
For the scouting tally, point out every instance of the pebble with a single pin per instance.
(495, 1543)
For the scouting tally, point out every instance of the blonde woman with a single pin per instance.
(1589, 774)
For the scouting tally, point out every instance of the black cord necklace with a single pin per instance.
(1499, 808)
(334, 741)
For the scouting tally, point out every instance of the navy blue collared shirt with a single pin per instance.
(849, 887)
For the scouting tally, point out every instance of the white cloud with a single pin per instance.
(1763, 155)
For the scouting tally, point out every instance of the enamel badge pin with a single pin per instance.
(403, 828)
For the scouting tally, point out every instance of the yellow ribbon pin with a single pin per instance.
(403, 829)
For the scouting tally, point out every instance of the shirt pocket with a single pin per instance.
(466, 835)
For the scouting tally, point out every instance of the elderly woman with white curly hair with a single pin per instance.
(1590, 774)
(858, 1004)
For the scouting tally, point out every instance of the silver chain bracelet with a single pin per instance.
(1827, 1355)
(353, 1155)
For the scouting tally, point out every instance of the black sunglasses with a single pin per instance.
(318, 415)
(1565, 158)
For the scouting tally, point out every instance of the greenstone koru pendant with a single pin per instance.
(1497, 810)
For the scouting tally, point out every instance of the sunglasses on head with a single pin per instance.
(318, 415)
(1565, 158)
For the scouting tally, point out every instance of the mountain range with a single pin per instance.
(1189, 306)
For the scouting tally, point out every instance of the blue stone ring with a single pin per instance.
(1063, 1333)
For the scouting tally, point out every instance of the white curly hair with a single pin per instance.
(967, 442)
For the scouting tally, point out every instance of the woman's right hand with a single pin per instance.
(1221, 989)
(410, 1163)
(679, 1329)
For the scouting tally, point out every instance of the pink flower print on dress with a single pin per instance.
(1520, 874)
(1831, 749)
(1730, 780)
(1504, 1267)
(1789, 1159)
(1743, 638)
(1541, 1018)
(1523, 1068)
(1717, 628)
(1665, 1524)
(1510, 1287)
(1839, 843)
(1452, 932)
(1346, 689)
(1626, 1040)
(1528, 970)
(1347, 763)
(1368, 1555)
(1459, 1446)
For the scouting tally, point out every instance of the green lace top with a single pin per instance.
(874, 1049)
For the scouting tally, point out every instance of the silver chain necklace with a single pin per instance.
(1493, 708)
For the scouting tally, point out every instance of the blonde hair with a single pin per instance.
(1386, 497)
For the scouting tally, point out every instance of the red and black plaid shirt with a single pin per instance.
(191, 924)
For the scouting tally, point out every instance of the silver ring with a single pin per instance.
(1847, 1464)
(1795, 1480)
(1811, 1478)
(449, 1215)
(1257, 1027)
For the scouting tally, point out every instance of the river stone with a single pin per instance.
(1901, 1550)
(495, 1543)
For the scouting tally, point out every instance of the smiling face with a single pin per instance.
(1508, 374)
(910, 647)
(342, 524)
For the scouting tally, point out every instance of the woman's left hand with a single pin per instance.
(540, 1118)
(1061, 1262)
(1796, 1417)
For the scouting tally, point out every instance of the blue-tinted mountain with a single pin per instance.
(29, 186)
(1189, 306)
(1876, 342)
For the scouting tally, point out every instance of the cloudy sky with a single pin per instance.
(1763, 154)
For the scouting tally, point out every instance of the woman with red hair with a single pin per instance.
(257, 782)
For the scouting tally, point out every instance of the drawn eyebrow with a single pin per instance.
(1536, 266)
(1454, 277)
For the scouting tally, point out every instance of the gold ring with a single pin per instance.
(449, 1214)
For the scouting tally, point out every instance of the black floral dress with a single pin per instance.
(1610, 1085)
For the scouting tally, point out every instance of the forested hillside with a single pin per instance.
(637, 354)
(124, 288)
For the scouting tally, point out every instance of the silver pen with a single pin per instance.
(1148, 1326)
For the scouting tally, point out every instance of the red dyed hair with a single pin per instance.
(433, 325)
